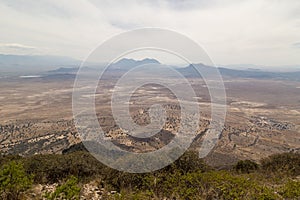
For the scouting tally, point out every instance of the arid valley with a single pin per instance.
(262, 116)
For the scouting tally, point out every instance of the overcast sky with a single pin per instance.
(262, 32)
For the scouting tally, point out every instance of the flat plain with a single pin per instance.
(262, 116)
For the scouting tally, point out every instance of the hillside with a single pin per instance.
(77, 175)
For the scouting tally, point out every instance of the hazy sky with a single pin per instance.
(263, 32)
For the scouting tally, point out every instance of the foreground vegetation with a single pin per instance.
(275, 177)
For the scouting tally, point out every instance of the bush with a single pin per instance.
(291, 190)
(222, 185)
(54, 168)
(187, 178)
(246, 166)
(118, 180)
(69, 190)
(4, 159)
(188, 162)
(286, 163)
(14, 180)
(206, 185)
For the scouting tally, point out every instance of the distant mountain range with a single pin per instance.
(126, 63)
(283, 68)
(65, 65)
(190, 71)
(259, 74)
(34, 62)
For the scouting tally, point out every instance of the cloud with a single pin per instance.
(17, 46)
(250, 31)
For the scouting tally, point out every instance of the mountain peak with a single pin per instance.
(126, 62)
(149, 60)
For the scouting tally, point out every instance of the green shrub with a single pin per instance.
(246, 166)
(14, 180)
(291, 190)
(287, 163)
(129, 195)
(4, 159)
(187, 178)
(69, 190)
(118, 180)
(54, 168)
(224, 185)
(207, 185)
(188, 162)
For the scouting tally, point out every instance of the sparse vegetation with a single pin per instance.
(187, 178)
(68, 190)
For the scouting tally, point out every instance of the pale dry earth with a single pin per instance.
(262, 117)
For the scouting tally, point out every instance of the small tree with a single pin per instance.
(14, 180)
